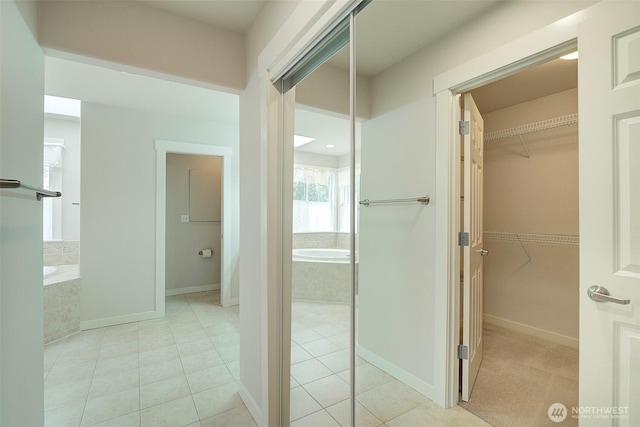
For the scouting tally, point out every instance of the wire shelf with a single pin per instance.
(554, 240)
(553, 123)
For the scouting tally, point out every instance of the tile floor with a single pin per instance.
(520, 377)
(182, 371)
(320, 380)
(177, 371)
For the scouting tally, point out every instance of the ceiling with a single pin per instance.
(545, 79)
(232, 15)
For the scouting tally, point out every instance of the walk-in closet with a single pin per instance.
(530, 233)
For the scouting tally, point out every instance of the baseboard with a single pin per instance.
(233, 301)
(530, 330)
(191, 289)
(409, 379)
(118, 320)
(251, 404)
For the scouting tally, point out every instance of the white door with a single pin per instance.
(473, 146)
(609, 107)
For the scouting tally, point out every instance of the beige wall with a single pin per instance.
(132, 33)
(184, 267)
(536, 195)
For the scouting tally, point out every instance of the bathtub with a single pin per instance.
(61, 301)
(340, 256)
(320, 275)
(48, 271)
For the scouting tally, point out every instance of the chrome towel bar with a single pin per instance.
(422, 199)
(40, 192)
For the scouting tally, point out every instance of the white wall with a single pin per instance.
(21, 128)
(69, 130)
(184, 267)
(132, 33)
(118, 205)
(397, 245)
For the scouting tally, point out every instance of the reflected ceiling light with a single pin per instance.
(330, 146)
(299, 141)
(570, 56)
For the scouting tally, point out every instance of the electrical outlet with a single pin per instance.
(184, 218)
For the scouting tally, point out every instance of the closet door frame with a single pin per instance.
(530, 50)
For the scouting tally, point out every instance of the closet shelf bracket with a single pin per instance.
(526, 252)
(524, 145)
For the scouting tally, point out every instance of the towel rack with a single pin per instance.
(422, 199)
(40, 192)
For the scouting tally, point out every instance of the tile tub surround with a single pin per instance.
(320, 281)
(61, 303)
(64, 252)
(325, 240)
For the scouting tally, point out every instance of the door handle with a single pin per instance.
(601, 294)
(483, 252)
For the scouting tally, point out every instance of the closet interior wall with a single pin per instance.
(531, 221)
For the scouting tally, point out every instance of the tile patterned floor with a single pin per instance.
(320, 380)
(182, 370)
(176, 371)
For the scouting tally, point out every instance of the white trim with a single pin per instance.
(530, 330)
(118, 320)
(250, 403)
(508, 59)
(162, 148)
(411, 380)
(191, 289)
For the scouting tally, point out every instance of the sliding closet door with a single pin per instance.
(318, 198)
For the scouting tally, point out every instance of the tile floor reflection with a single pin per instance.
(320, 380)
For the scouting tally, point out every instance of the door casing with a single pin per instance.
(162, 148)
(533, 49)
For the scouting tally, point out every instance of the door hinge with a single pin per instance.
(463, 238)
(463, 352)
(463, 127)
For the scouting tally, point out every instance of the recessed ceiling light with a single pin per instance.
(570, 56)
(330, 146)
(299, 141)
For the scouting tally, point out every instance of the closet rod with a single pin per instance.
(40, 192)
(552, 123)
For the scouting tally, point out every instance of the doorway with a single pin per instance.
(162, 149)
(530, 243)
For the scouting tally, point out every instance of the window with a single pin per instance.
(313, 199)
(52, 179)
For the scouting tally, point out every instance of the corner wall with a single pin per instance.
(403, 259)
(21, 293)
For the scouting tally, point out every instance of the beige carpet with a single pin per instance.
(520, 377)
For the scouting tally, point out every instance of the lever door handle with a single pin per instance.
(601, 294)
(483, 252)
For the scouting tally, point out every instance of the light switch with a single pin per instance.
(184, 218)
